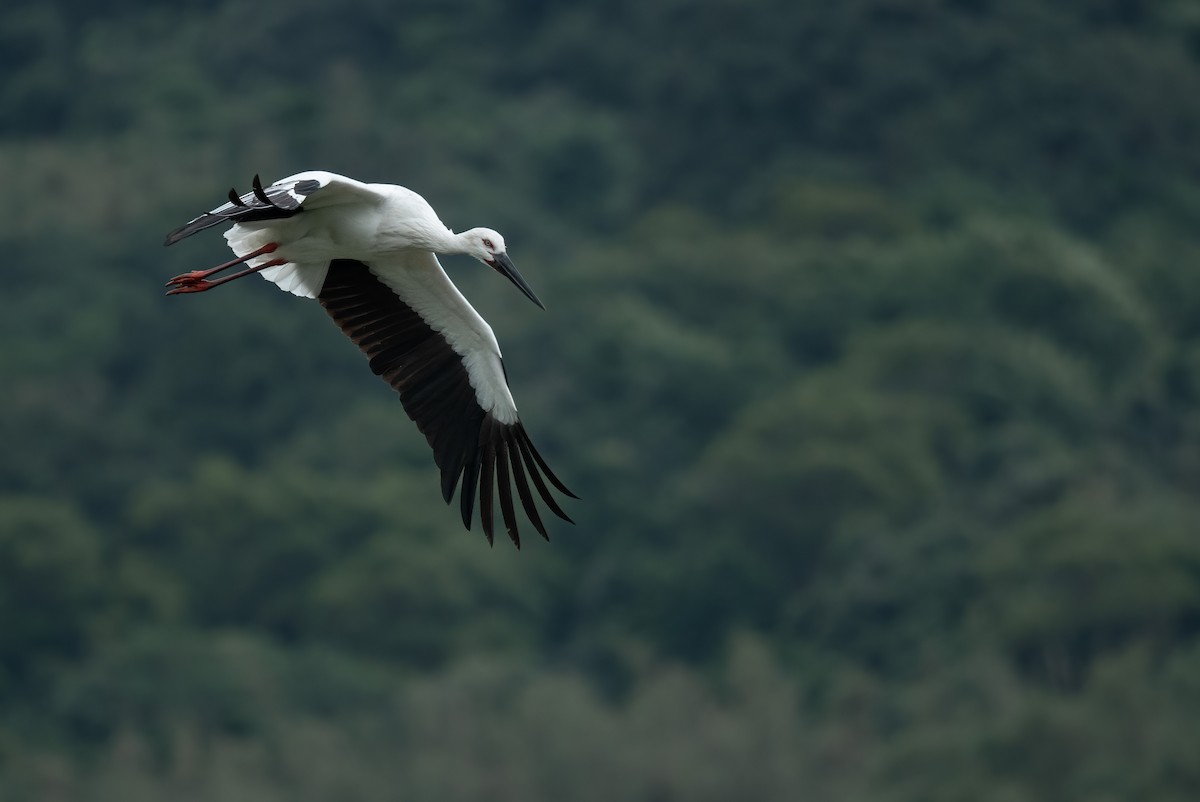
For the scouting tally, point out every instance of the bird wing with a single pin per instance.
(285, 198)
(425, 340)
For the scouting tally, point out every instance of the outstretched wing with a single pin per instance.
(424, 339)
(284, 198)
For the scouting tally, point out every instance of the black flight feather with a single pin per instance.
(475, 453)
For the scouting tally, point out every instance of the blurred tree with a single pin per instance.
(873, 350)
(51, 590)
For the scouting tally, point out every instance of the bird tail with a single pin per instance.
(299, 278)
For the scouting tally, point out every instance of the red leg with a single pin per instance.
(187, 284)
(200, 275)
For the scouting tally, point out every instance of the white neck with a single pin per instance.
(446, 241)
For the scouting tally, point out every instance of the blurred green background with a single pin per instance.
(873, 349)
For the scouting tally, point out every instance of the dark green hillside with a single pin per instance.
(872, 348)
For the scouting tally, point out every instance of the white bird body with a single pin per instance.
(367, 253)
(346, 220)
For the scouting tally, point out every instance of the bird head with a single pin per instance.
(484, 244)
(487, 246)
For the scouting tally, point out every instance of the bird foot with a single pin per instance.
(197, 280)
(189, 282)
(192, 277)
(190, 288)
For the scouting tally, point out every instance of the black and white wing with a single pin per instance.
(425, 340)
(284, 198)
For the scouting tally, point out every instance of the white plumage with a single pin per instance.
(366, 252)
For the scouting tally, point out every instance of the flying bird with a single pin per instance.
(366, 252)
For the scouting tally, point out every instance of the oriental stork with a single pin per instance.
(367, 253)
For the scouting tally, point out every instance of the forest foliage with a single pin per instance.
(873, 350)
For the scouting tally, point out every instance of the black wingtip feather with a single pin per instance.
(543, 491)
(257, 187)
(451, 465)
(518, 471)
(466, 496)
(504, 489)
(450, 453)
(454, 442)
(487, 459)
(449, 485)
(523, 436)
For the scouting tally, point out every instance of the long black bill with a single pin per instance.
(504, 266)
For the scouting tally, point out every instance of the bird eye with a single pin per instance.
(487, 243)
